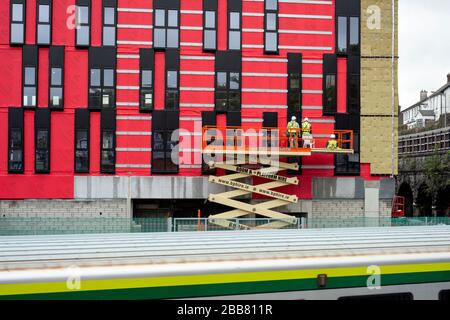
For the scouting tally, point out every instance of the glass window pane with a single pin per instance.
(171, 100)
(210, 39)
(108, 98)
(56, 79)
(160, 38)
(330, 92)
(354, 33)
(173, 18)
(109, 15)
(55, 96)
(172, 79)
(108, 140)
(160, 18)
(234, 101)
(271, 4)
(81, 161)
(221, 80)
(95, 97)
(42, 139)
(83, 35)
(108, 77)
(172, 38)
(16, 138)
(271, 42)
(235, 20)
(234, 81)
(342, 34)
(44, 13)
(108, 158)
(82, 140)
(210, 19)
(83, 15)
(221, 100)
(43, 34)
(30, 76)
(271, 21)
(17, 33)
(95, 77)
(235, 40)
(147, 78)
(17, 12)
(29, 96)
(109, 36)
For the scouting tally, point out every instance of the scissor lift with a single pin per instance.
(245, 156)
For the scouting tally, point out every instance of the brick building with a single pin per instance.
(91, 91)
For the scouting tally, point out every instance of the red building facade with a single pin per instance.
(92, 89)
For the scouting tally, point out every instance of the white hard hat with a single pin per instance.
(306, 119)
(332, 136)
(293, 118)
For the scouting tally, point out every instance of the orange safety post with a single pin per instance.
(198, 217)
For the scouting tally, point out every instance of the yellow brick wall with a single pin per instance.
(376, 86)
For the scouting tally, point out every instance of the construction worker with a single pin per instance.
(332, 144)
(306, 133)
(293, 128)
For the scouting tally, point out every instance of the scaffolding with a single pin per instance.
(248, 153)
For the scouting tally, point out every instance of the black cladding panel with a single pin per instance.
(235, 5)
(56, 54)
(354, 65)
(165, 120)
(166, 4)
(108, 119)
(84, 2)
(329, 64)
(110, 3)
(228, 61)
(209, 118)
(210, 5)
(30, 55)
(347, 122)
(172, 59)
(42, 118)
(294, 62)
(15, 117)
(270, 119)
(102, 57)
(348, 8)
(147, 58)
(234, 119)
(82, 119)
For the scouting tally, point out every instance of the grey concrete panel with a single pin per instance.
(387, 188)
(334, 188)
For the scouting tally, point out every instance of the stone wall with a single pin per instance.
(377, 84)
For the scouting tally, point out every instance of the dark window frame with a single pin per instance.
(227, 91)
(146, 63)
(56, 65)
(161, 125)
(49, 3)
(295, 68)
(348, 48)
(327, 110)
(42, 123)
(172, 65)
(83, 3)
(108, 125)
(30, 59)
(205, 28)
(16, 123)
(82, 115)
(23, 22)
(267, 31)
(234, 30)
(102, 87)
(102, 59)
(166, 27)
(113, 5)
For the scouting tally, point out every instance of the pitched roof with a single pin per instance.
(427, 113)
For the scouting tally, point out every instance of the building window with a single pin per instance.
(228, 81)
(108, 141)
(102, 78)
(15, 140)
(234, 33)
(271, 26)
(146, 79)
(330, 93)
(172, 93)
(17, 26)
(166, 29)
(83, 20)
(56, 78)
(294, 84)
(109, 22)
(44, 22)
(228, 91)
(209, 30)
(30, 76)
(42, 142)
(164, 142)
(354, 94)
(81, 141)
(348, 35)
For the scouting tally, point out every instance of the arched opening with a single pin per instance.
(406, 192)
(443, 202)
(424, 201)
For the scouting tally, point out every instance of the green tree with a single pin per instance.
(436, 171)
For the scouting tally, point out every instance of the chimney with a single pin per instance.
(448, 78)
(423, 95)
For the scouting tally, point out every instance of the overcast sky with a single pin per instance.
(424, 45)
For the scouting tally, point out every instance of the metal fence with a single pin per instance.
(64, 225)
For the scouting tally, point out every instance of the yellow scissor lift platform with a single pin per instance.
(238, 148)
